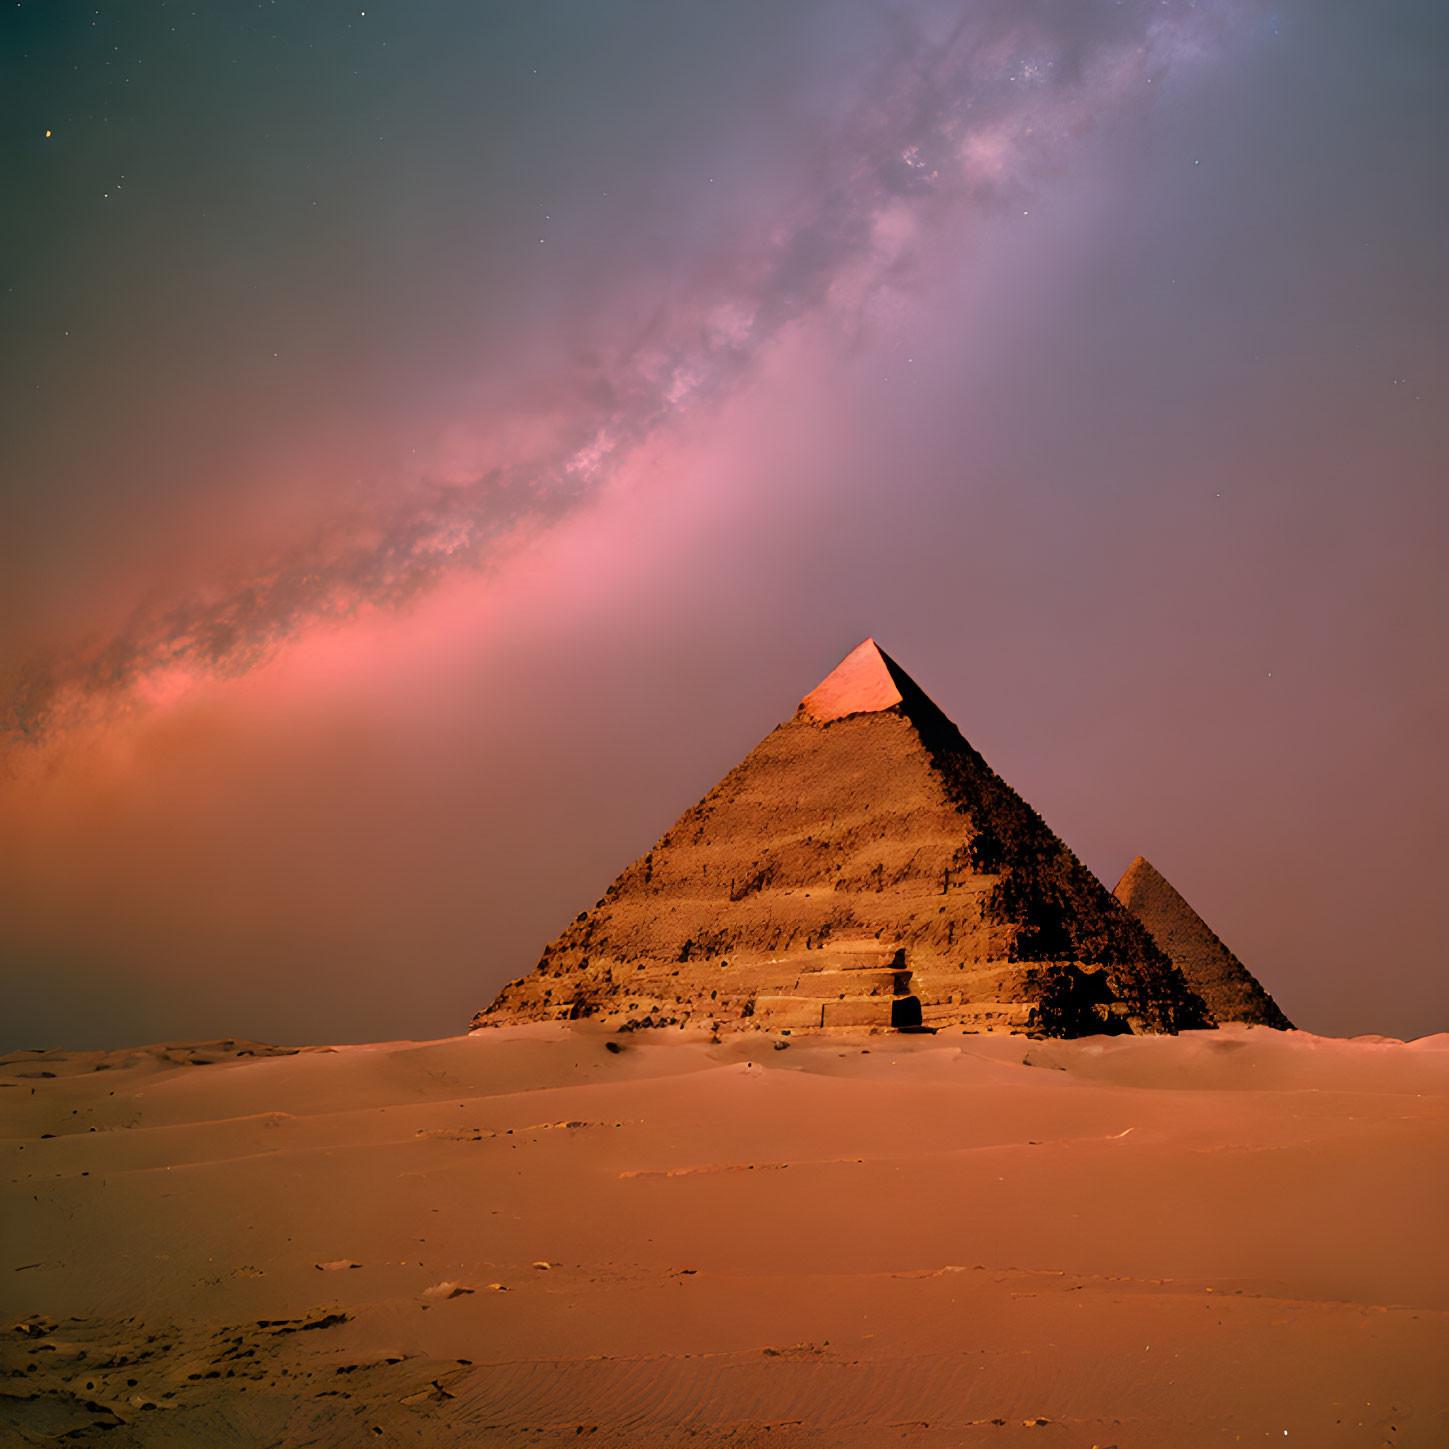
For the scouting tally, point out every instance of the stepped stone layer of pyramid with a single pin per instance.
(1229, 988)
(862, 867)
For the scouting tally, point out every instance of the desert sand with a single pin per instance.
(525, 1237)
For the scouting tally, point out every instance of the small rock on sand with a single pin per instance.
(446, 1290)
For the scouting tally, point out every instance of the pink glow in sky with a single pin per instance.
(955, 123)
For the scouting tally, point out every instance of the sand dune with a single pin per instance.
(522, 1237)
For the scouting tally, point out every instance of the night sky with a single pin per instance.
(439, 440)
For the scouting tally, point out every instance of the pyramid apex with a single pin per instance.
(1141, 879)
(1140, 866)
(862, 683)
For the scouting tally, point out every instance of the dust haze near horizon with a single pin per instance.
(439, 441)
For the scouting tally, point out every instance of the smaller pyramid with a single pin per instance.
(1229, 988)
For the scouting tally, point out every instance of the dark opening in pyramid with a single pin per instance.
(1229, 988)
(862, 867)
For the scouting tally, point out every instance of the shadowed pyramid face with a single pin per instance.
(862, 867)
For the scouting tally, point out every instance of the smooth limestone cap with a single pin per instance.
(861, 683)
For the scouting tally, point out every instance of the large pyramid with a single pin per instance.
(862, 867)
(1229, 988)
